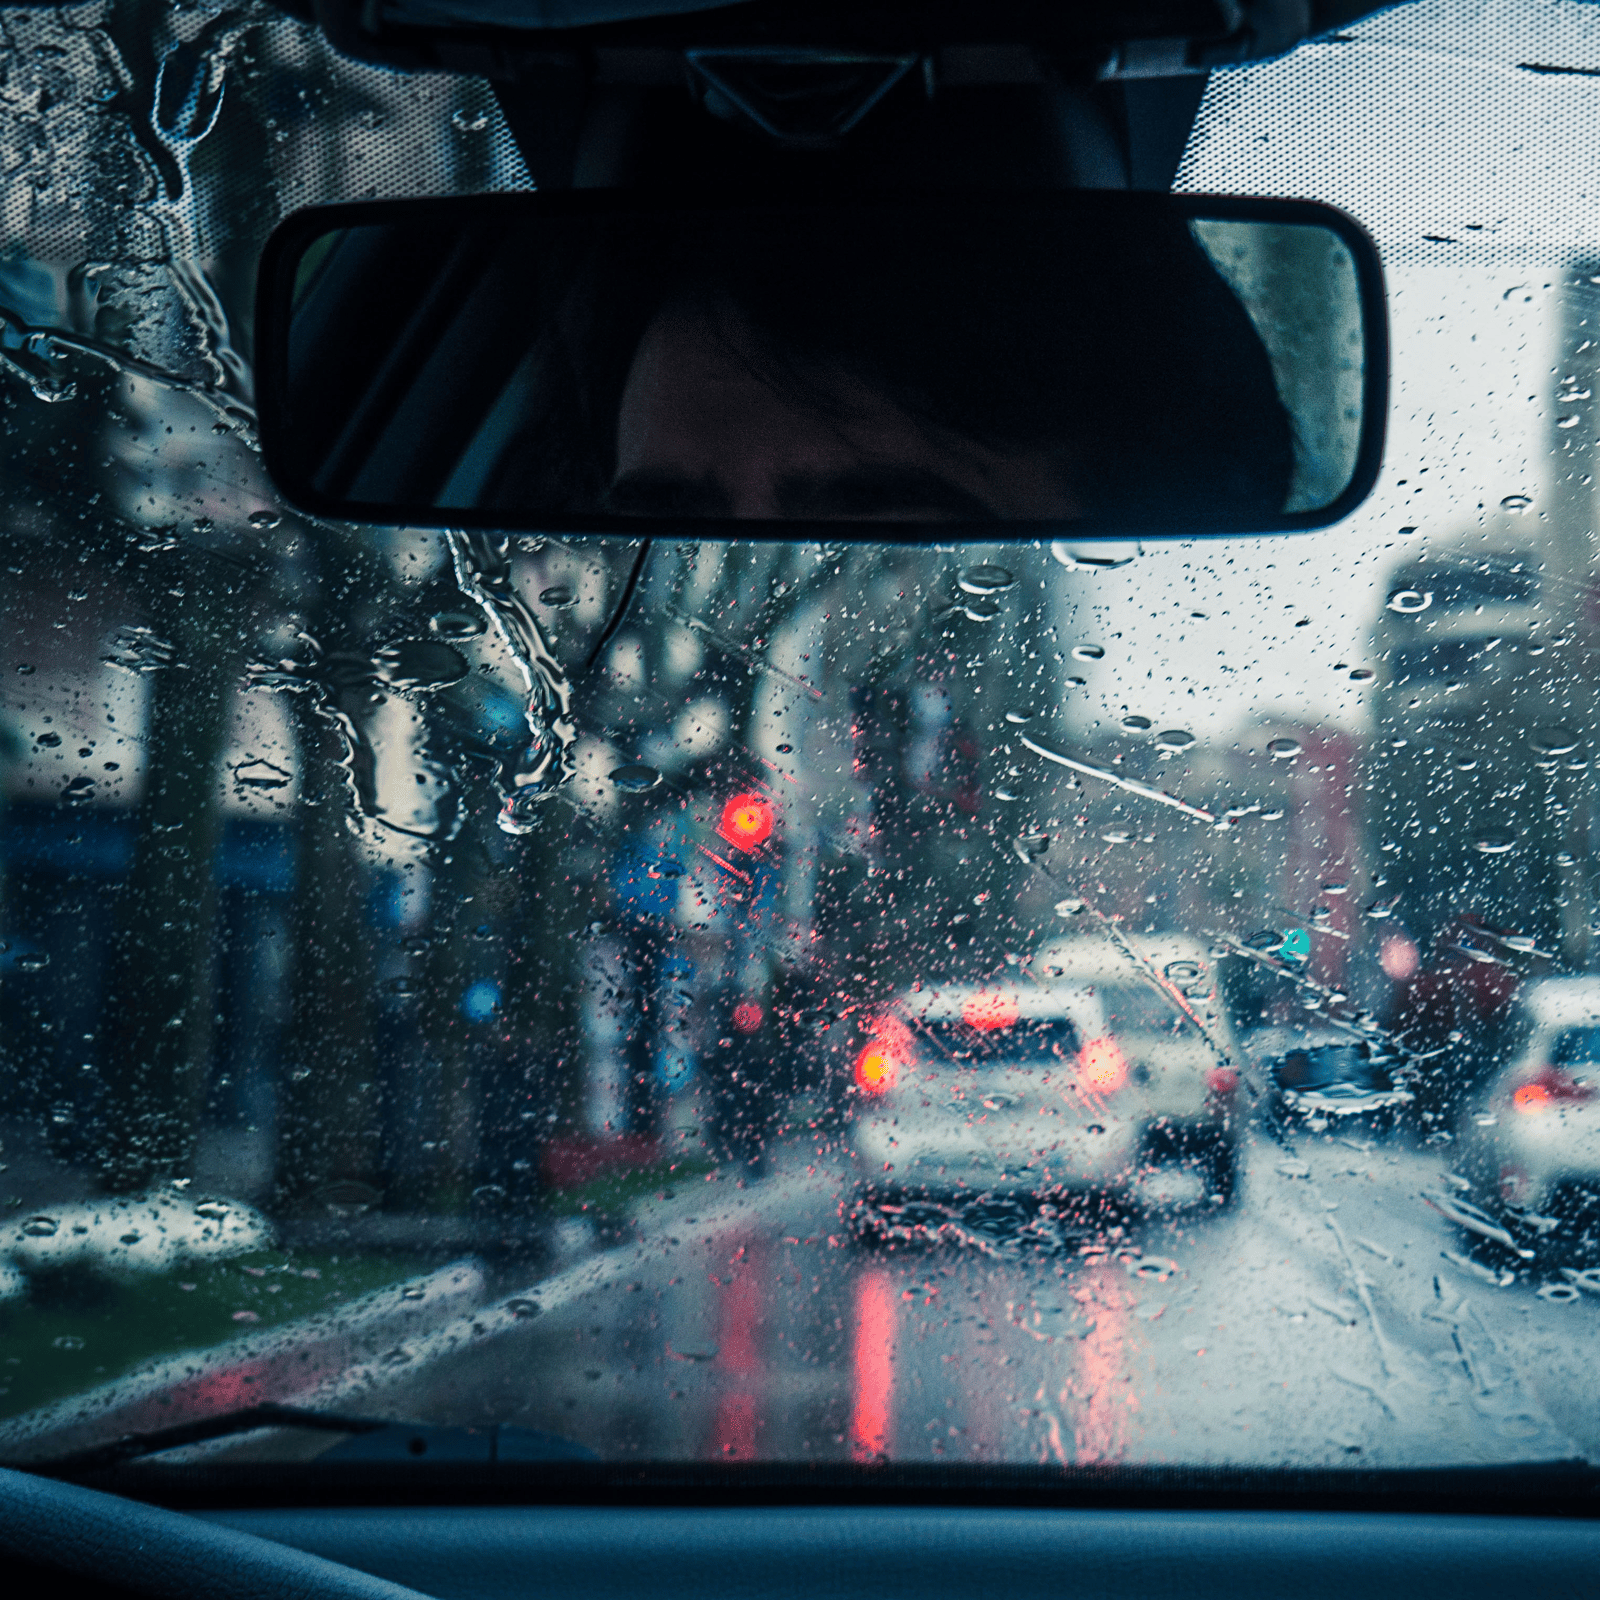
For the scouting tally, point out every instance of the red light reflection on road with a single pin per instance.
(1102, 1392)
(873, 1366)
(739, 1317)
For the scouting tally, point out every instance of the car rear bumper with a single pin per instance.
(1092, 1158)
(1530, 1159)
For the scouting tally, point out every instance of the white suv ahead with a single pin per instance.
(1531, 1134)
(1093, 1074)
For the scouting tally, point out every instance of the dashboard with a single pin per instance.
(899, 1553)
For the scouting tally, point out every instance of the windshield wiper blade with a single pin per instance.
(246, 1419)
(372, 1439)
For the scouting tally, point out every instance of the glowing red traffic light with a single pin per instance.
(746, 821)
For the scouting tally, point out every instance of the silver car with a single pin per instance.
(1532, 1133)
(1091, 1076)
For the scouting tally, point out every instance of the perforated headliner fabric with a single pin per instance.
(1369, 119)
(254, 109)
(132, 138)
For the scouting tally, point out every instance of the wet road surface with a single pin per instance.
(1329, 1315)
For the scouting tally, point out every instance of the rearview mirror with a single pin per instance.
(1087, 363)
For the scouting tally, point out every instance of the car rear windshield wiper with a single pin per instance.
(369, 1439)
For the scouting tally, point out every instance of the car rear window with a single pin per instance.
(1027, 1041)
(1131, 1008)
(1576, 1047)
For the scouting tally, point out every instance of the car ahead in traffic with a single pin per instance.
(1090, 1079)
(1531, 1137)
(1329, 1078)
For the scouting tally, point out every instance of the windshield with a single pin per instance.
(497, 978)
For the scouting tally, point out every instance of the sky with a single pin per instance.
(1471, 172)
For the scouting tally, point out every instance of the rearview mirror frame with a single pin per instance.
(288, 244)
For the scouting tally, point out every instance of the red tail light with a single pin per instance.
(887, 1049)
(877, 1067)
(746, 821)
(1548, 1088)
(1101, 1067)
(989, 1011)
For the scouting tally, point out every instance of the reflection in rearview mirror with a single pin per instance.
(1098, 363)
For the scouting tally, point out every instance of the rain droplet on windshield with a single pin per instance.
(258, 774)
(1031, 847)
(1283, 749)
(457, 624)
(980, 609)
(1516, 503)
(1493, 844)
(1098, 557)
(1070, 908)
(1174, 740)
(558, 597)
(1407, 601)
(420, 665)
(265, 519)
(139, 649)
(985, 580)
(1135, 724)
(1088, 652)
(635, 778)
(1554, 741)
(1019, 717)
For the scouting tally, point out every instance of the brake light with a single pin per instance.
(887, 1049)
(990, 1011)
(1101, 1067)
(746, 821)
(877, 1068)
(1548, 1087)
(1531, 1098)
